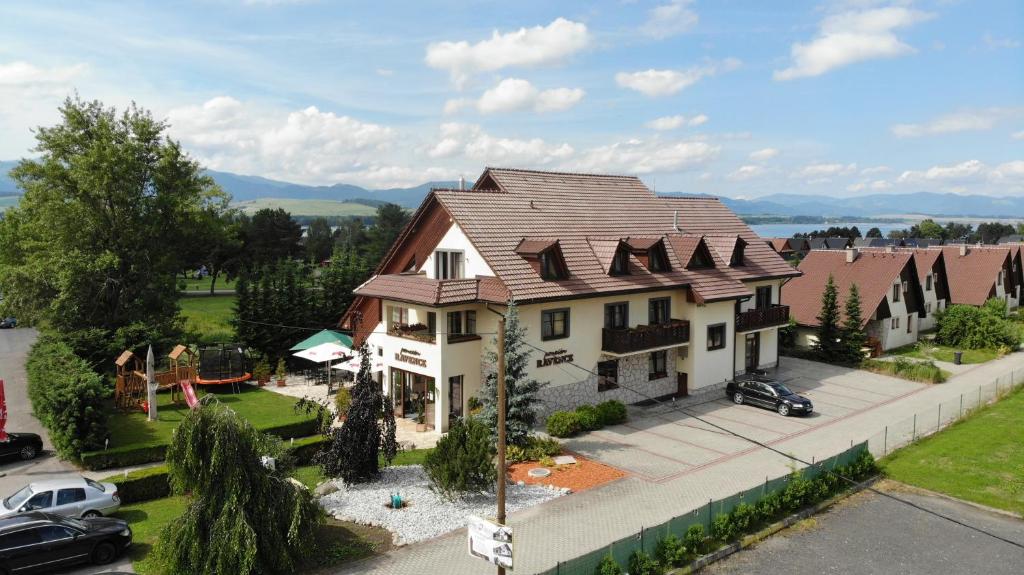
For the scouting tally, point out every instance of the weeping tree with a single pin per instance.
(520, 391)
(354, 450)
(244, 516)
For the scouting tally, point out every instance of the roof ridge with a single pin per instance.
(557, 173)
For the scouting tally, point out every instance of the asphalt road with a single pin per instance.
(870, 534)
(14, 345)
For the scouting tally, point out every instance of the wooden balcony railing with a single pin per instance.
(771, 316)
(643, 337)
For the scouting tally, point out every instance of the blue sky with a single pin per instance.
(726, 97)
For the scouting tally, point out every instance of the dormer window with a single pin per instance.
(551, 265)
(657, 259)
(701, 258)
(545, 257)
(620, 262)
(737, 254)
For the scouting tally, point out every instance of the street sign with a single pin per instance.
(490, 541)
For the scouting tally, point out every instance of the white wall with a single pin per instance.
(707, 368)
(456, 240)
(898, 337)
(930, 298)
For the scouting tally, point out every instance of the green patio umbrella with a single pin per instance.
(325, 336)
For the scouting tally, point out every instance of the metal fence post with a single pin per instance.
(913, 433)
(979, 397)
(938, 421)
(961, 406)
(885, 442)
(709, 516)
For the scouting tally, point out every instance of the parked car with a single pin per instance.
(24, 445)
(71, 497)
(8, 323)
(767, 392)
(42, 542)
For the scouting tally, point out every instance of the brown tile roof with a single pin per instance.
(924, 258)
(589, 214)
(874, 272)
(534, 246)
(972, 277)
(779, 244)
(418, 288)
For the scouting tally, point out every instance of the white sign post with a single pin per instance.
(490, 541)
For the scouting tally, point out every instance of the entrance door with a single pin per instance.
(398, 391)
(753, 351)
(682, 389)
(454, 398)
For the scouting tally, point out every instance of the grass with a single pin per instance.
(309, 207)
(924, 371)
(978, 459)
(208, 317)
(203, 285)
(936, 352)
(261, 408)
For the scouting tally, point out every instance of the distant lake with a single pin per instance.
(789, 230)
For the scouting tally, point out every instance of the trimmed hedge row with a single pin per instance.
(152, 482)
(67, 396)
(129, 455)
(586, 418)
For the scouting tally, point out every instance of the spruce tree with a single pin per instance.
(827, 348)
(854, 337)
(520, 392)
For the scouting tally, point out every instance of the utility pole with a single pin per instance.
(501, 426)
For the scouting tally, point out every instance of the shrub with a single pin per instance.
(142, 484)
(925, 371)
(608, 566)
(516, 454)
(640, 563)
(695, 539)
(795, 495)
(768, 507)
(671, 551)
(588, 417)
(563, 424)
(972, 327)
(67, 397)
(463, 459)
(342, 401)
(539, 447)
(744, 517)
(723, 528)
(612, 412)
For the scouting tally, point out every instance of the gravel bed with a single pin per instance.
(427, 514)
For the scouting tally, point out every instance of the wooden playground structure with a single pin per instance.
(130, 390)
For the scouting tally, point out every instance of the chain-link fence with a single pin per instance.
(942, 415)
(647, 538)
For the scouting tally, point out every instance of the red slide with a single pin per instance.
(190, 395)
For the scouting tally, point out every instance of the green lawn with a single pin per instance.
(208, 317)
(262, 408)
(929, 350)
(979, 459)
(203, 285)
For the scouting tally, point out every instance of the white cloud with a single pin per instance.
(850, 37)
(666, 82)
(874, 186)
(537, 46)
(747, 172)
(963, 121)
(670, 19)
(1009, 170)
(471, 142)
(678, 121)
(875, 170)
(515, 95)
(645, 157)
(1018, 135)
(29, 97)
(23, 74)
(820, 173)
(997, 43)
(963, 171)
(764, 154)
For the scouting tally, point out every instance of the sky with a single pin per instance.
(726, 97)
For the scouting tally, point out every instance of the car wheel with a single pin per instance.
(91, 514)
(783, 409)
(28, 452)
(103, 553)
(737, 398)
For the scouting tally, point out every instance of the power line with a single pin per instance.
(683, 410)
(355, 331)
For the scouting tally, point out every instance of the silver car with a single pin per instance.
(72, 497)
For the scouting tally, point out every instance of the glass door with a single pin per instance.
(753, 350)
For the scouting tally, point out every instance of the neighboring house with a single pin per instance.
(624, 295)
(977, 273)
(921, 242)
(1011, 239)
(931, 272)
(876, 242)
(891, 298)
(828, 243)
(789, 248)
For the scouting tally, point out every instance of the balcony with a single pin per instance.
(416, 331)
(645, 337)
(760, 318)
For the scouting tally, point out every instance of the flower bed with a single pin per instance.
(584, 474)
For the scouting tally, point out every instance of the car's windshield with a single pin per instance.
(94, 485)
(782, 389)
(15, 501)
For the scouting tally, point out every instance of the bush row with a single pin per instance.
(152, 482)
(537, 448)
(67, 396)
(923, 371)
(586, 418)
(799, 492)
(141, 454)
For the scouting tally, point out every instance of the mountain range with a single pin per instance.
(249, 188)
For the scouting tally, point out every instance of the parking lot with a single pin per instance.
(660, 443)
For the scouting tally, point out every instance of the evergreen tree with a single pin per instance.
(520, 392)
(854, 337)
(827, 347)
(463, 460)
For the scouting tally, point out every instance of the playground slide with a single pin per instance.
(190, 395)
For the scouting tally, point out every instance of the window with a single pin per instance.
(551, 266)
(896, 292)
(554, 324)
(657, 365)
(399, 315)
(701, 259)
(999, 278)
(656, 259)
(716, 336)
(607, 375)
(620, 263)
(659, 310)
(448, 265)
(894, 323)
(454, 397)
(454, 323)
(928, 282)
(54, 533)
(928, 308)
(616, 315)
(910, 324)
(737, 254)
(69, 496)
(471, 322)
(432, 323)
(40, 500)
(21, 538)
(763, 297)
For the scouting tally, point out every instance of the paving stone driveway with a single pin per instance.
(660, 444)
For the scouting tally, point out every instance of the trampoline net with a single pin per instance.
(223, 362)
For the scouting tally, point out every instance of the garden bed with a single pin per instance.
(427, 514)
(582, 475)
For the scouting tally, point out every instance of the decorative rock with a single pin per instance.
(325, 488)
(565, 460)
(520, 483)
(538, 472)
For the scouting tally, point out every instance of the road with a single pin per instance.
(14, 346)
(870, 534)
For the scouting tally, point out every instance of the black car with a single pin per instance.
(766, 392)
(8, 323)
(43, 542)
(22, 445)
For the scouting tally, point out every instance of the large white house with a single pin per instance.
(624, 295)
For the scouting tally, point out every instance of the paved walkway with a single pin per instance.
(572, 526)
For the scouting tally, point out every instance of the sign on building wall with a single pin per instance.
(490, 541)
(554, 358)
(411, 357)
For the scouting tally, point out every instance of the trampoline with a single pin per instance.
(222, 364)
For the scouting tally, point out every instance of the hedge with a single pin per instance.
(129, 455)
(586, 418)
(67, 397)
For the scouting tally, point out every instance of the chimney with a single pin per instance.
(851, 255)
(890, 249)
(462, 183)
(675, 221)
(963, 250)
